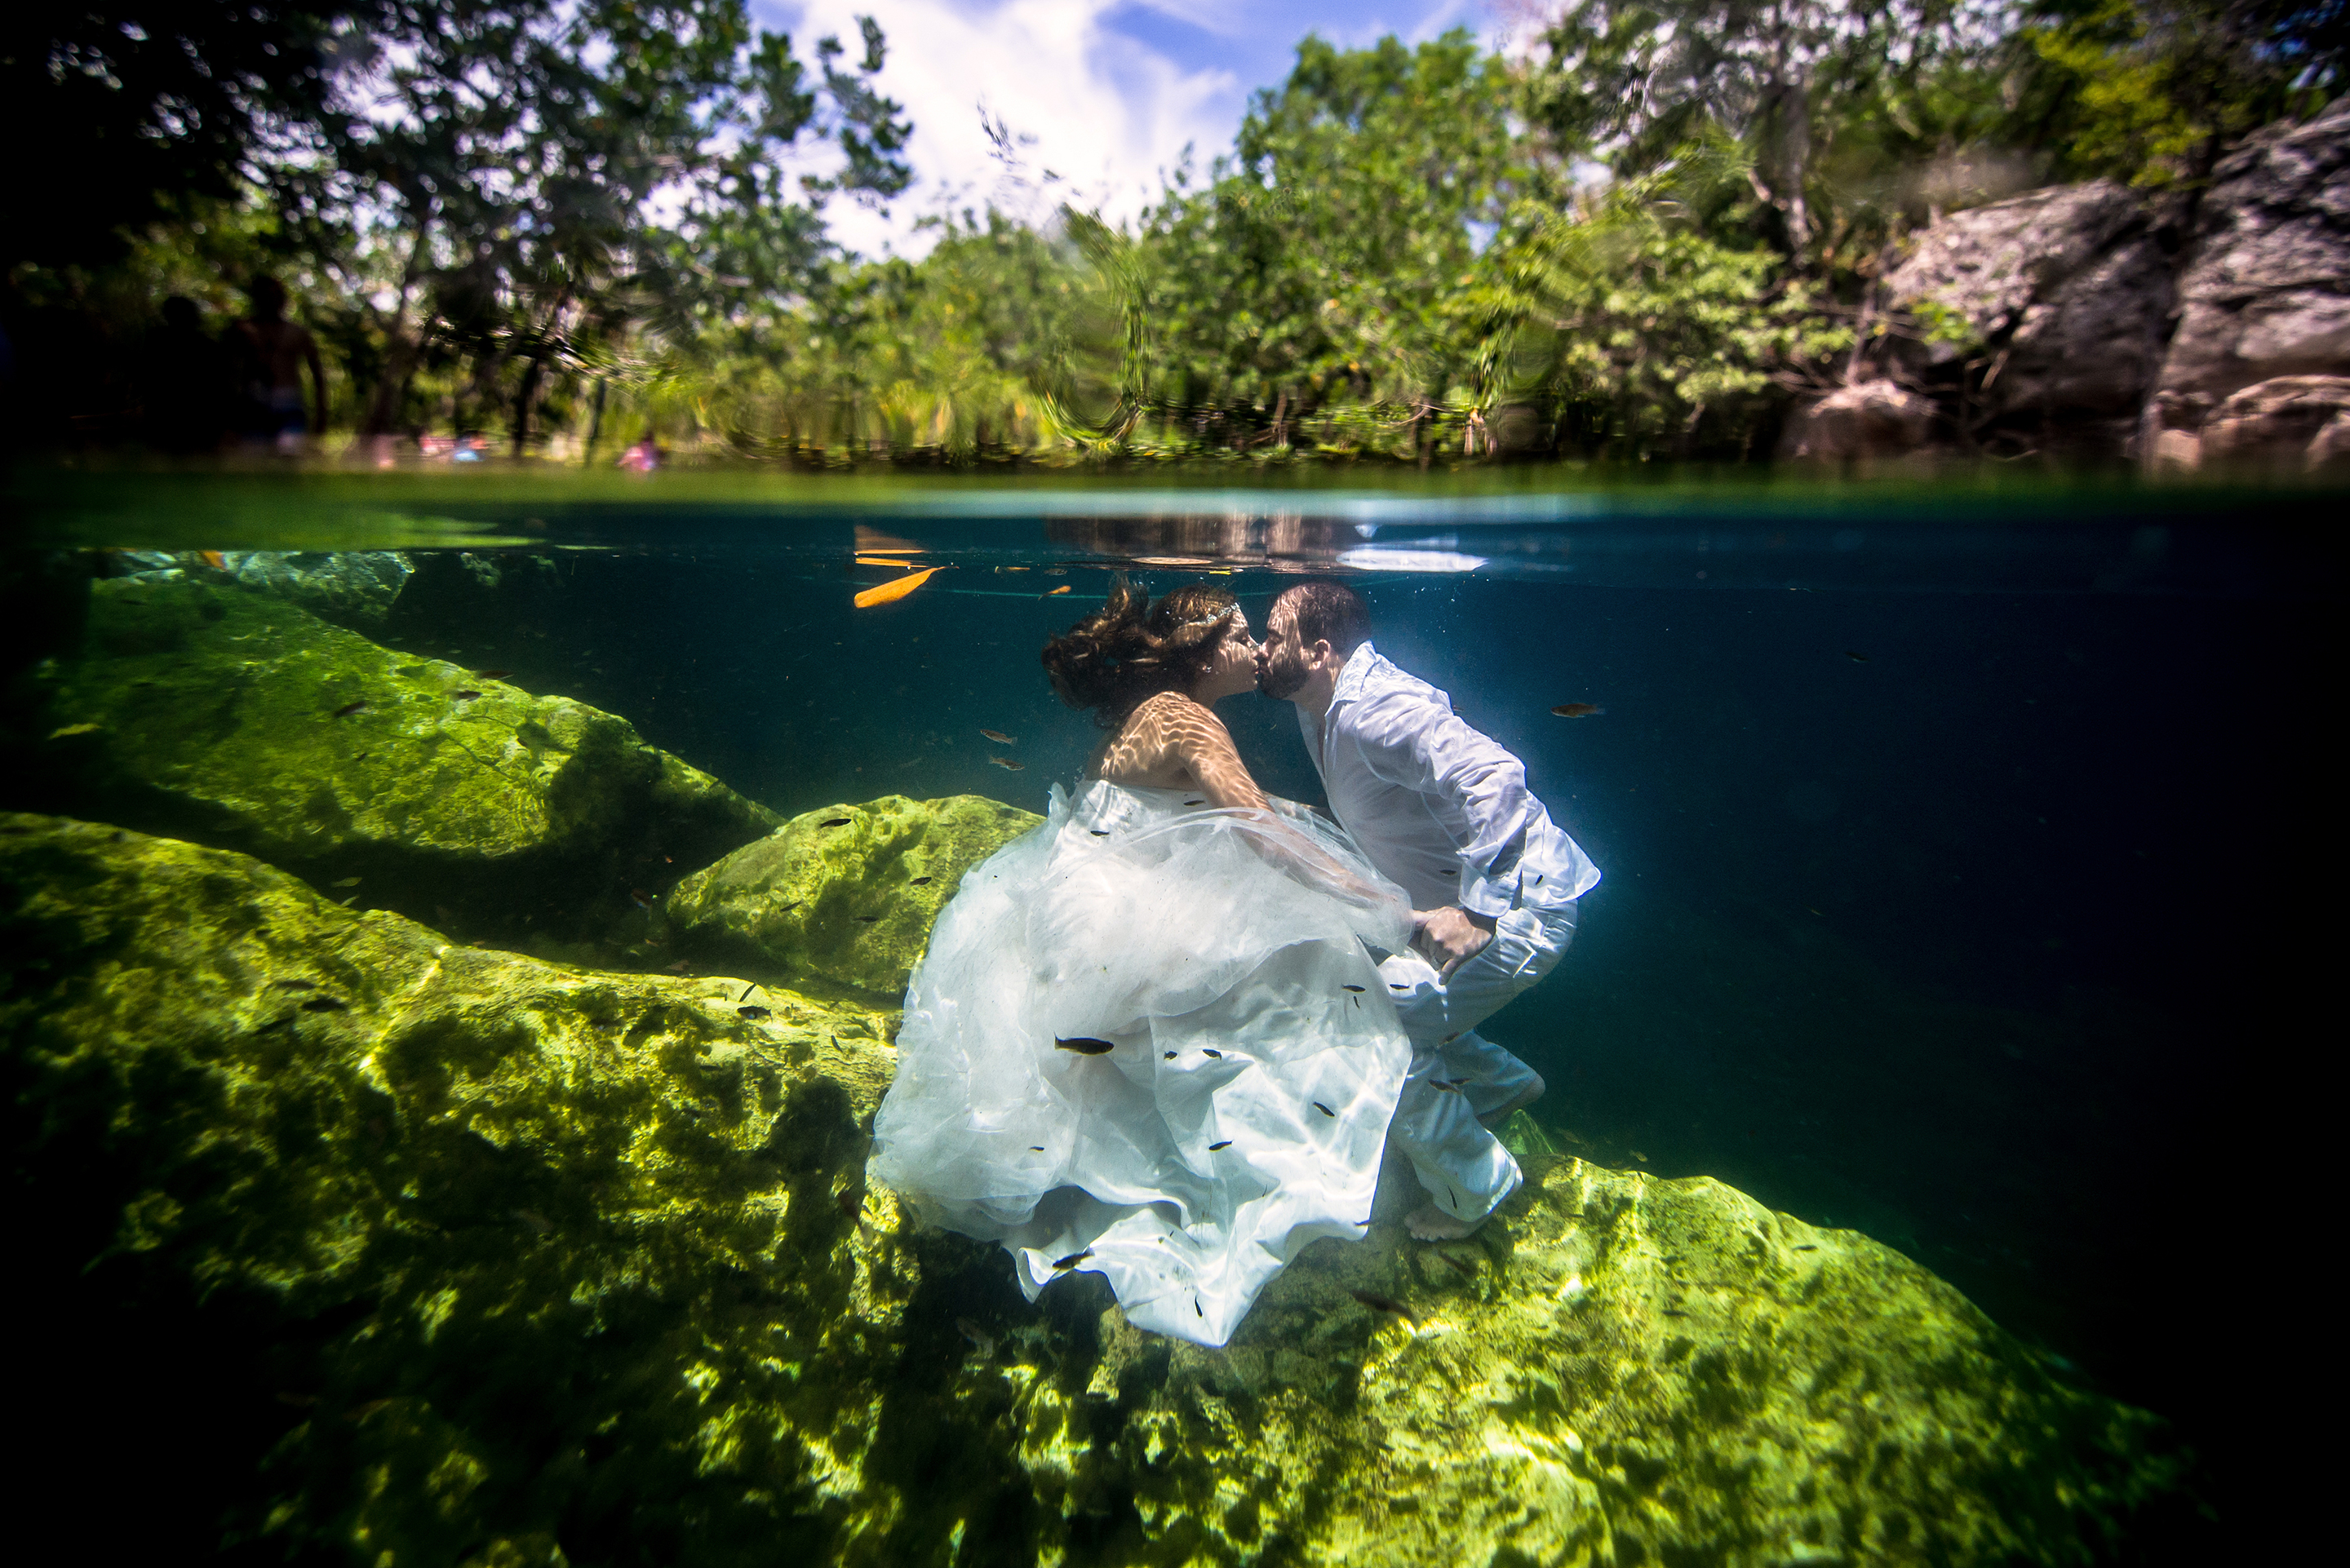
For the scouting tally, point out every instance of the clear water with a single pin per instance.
(1946, 834)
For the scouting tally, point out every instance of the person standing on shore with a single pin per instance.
(270, 353)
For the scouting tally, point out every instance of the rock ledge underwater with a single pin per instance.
(559, 1265)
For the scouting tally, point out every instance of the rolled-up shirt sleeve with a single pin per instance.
(1410, 741)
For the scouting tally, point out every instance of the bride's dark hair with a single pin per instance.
(1130, 648)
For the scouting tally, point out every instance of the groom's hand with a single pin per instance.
(1450, 937)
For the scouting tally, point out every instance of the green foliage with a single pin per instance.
(2148, 93)
(1634, 333)
(1327, 263)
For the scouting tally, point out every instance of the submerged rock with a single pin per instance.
(843, 895)
(558, 1261)
(237, 719)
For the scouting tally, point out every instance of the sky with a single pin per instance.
(1110, 90)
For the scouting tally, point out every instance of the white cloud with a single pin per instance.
(1108, 113)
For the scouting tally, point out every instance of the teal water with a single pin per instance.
(1948, 843)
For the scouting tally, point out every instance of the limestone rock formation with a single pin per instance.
(354, 588)
(554, 1261)
(843, 895)
(1871, 420)
(2040, 318)
(237, 719)
(2266, 289)
(2295, 425)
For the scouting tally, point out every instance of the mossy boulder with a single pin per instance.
(843, 895)
(239, 719)
(533, 1264)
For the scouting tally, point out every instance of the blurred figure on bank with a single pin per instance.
(186, 384)
(643, 457)
(270, 352)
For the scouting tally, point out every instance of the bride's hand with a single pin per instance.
(1450, 937)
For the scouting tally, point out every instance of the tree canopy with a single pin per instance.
(559, 222)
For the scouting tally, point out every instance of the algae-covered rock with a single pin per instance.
(845, 894)
(239, 719)
(557, 1262)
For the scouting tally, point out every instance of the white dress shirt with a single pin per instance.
(1433, 804)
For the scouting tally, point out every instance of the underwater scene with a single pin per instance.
(459, 960)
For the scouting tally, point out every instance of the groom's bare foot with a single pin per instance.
(1430, 1223)
(1533, 1092)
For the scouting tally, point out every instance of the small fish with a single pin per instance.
(1855, 658)
(1807, 1247)
(1675, 1312)
(756, 1010)
(898, 589)
(296, 984)
(1048, 593)
(787, 908)
(325, 1005)
(1215, 1147)
(347, 709)
(493, 674)
(924, 881)
(1578, 709)
(214, 558)
(1098, 831)
(1168, 1057)
(1008, 765)
(747, 990)
(362, 1412)
(867, 920)
(1324, 1109)
(834, 821)
(640, 898)
(1378, 1303)
(680, 967)
(1218, 1056)
(1468, 1269)
(1355, 988)
(1000, 738)
(1444, 1085)
(538, 1223)
(1083, 1045)
(345, 882)
(464, 696)
(1036, 1148)
(1195, 803)
(1073, 1260)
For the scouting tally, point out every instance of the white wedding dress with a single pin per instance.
(1256, 1059)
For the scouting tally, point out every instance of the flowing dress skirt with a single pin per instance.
(1253, 1058)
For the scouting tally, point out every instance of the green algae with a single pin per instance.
(584, 1268)
(843, 895)
(236, 719)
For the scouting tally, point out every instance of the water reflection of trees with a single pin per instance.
(1270, 541)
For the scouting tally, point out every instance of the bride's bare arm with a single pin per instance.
(1170, 740)
(1172, 743)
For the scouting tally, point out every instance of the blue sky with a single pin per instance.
(1109, 90)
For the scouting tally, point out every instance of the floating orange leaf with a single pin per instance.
(897, 588)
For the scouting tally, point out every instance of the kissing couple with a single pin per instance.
(1166, 1034)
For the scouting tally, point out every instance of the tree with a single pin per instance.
(553, 170)
(1324, 261)
(122, 110)
(1635, 80)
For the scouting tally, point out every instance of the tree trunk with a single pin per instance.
(401, 352)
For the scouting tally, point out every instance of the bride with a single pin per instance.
(1147, 1038)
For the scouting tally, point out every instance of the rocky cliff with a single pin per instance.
(2096, 322)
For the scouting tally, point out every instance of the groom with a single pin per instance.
(1443, 811)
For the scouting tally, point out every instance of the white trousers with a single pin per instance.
(1464, 1168)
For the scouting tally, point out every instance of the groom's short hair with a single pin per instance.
(1327, 611)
